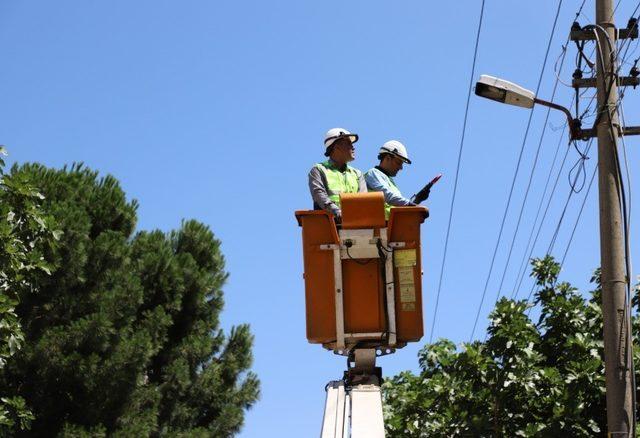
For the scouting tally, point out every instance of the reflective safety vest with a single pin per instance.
(339, 182)
(393, 188)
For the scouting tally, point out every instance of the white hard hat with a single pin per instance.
(394, 147)
(334, 134)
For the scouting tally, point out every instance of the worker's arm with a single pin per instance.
(319, 193)
(376, 183)
(362, 184)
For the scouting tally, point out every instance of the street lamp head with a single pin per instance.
(504, 92)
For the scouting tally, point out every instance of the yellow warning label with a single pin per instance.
(408, 307)
(407, 293)
(404, 257)
(405, 275)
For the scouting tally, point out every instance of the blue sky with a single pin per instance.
(216, 110)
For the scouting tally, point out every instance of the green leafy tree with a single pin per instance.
(124, 338)
(542, 379)
(25, 232)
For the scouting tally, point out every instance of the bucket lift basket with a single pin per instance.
(363, 277)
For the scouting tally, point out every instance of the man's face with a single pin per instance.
(395, 165)
(346, 149)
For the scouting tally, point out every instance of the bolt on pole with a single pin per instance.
(617, 330)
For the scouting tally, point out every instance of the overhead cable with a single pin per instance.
(533, 169)
(455, 183)
(515, 175)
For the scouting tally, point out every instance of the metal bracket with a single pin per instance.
(390, 289)
(339, 299)
(584, 134)
(623, 81)
(382, 350)
(630, 32)
(364, 359)
(338, 296)
(376, 335)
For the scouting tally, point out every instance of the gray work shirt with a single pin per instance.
(319, 193)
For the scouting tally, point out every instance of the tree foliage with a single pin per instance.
(25, 232)
(124, 339)
(542, 379)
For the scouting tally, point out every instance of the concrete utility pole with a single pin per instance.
(617, 331)
(613, 263)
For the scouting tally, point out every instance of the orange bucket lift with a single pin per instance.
(363, 288)
(363, 282)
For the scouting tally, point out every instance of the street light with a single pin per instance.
(507, 92)
(504, 92)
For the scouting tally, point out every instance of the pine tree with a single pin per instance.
(124, 339)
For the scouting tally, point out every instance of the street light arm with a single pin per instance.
(574, 124)
(554, 106)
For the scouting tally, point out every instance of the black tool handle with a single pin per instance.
(424, 193)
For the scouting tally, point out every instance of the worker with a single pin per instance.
(329, 179)
(392, 156)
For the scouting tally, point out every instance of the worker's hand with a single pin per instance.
(423, 195)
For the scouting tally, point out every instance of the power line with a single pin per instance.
(560, 220)
(533, 290)
(626, 214)
(523, 263)
(513, 182)
(628, 173)
(624, 334)
(455, 184)
(580, 163)
(533, 169)
(583, 157)
(636, 9)
(525, 258)
(622, 198)
(622, 44)
(584, 201)
(566, 204)
(627, 240)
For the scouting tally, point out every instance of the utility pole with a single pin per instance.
(615, 314)
(614, 279)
